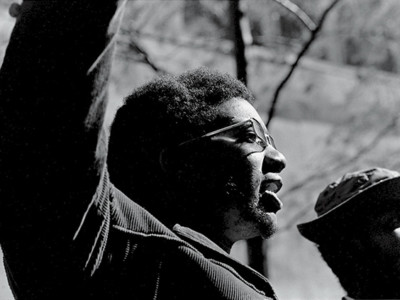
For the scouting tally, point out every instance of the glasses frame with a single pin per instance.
(267, 138)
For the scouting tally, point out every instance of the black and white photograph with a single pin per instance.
(200, 149)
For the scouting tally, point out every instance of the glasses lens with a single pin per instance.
(250, 135)
(263, 134)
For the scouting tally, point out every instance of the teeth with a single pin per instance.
(271, 187)
(265, 192)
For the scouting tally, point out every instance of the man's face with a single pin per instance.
(383, 238)
(249, 203)
(373, 256)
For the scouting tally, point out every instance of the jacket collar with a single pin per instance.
(197, 238)
(211, 250)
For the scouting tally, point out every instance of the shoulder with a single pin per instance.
(210, 276)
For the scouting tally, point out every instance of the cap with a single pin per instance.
(340, 201)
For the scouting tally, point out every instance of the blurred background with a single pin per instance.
(326, 77)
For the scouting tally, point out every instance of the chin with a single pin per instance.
(266, 233)
(267, 224)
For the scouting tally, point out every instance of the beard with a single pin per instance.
(241, 192)
(229, 186)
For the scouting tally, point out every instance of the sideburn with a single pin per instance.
(217, 178)
(205, 175)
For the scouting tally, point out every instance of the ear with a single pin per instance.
(168, 161)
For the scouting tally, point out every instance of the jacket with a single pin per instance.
(150, 261)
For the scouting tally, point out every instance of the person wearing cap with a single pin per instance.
(357, 232)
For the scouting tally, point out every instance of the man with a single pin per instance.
(357, 232)
(193, 169)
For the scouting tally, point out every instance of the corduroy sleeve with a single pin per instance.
(53, 94)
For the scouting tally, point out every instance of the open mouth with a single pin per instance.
(268, 200)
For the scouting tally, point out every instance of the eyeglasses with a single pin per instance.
(249, 135)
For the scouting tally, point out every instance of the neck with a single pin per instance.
(214, 232)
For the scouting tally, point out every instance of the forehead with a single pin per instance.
(238, 109)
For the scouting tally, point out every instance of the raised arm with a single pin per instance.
(53, 91)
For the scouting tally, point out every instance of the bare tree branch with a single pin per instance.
(237, 36)
(134, 46)
(298, 12)
(306, 46)
(198, 43)
(138, 59)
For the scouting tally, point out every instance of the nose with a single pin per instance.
(274, 161)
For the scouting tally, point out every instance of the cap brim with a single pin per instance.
(320, 227)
